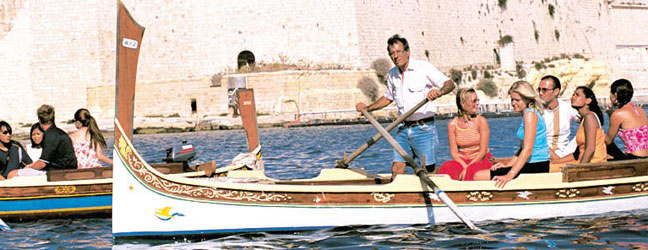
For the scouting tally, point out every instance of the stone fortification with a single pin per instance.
(277, 93)
(62, 53)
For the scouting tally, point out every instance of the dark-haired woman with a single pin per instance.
(12, 155)
(629, 121)
(88, 141)
(35, 149)
(590, 136)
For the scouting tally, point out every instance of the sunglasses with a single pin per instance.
(544, 89)
(6, 132)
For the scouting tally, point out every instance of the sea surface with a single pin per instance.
(302, 153)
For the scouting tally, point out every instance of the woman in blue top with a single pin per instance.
(533, 155)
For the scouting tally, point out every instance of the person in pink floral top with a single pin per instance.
(88, 141)
(628, 121)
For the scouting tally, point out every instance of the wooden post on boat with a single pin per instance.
(422, 174)
(129, 40)
(247, 108)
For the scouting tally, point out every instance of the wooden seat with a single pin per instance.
(604, 170)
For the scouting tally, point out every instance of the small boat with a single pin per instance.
(150, 204)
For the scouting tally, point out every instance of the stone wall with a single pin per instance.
(63, 53)
(275, 93)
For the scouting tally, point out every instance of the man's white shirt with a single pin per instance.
(566, 115)
(420, 78)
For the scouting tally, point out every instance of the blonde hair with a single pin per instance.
(524, 89)
(463, 96)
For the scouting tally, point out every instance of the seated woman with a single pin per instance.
(468, 135)
(34, 151)
(88, 141)
(533, 155)
(590, 136)
(628, 121)
(12, 154)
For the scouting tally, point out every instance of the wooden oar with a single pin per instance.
(345, 162)
(422, 174)
(4, 226)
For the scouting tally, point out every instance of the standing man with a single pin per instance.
(58, 152)
(407, 84)
(558, 116)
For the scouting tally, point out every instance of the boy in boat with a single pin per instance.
(58, 152)
(407, 84)
(12, 155)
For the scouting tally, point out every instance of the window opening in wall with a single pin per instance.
(245, 59)
(194, 106)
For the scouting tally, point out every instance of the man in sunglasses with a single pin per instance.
(12, 154)
(558, 116)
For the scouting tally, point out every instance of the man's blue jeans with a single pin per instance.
(418, 141)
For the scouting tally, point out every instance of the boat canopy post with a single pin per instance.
(129, 40)
(248, 116)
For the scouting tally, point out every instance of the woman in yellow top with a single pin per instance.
(468, 138)
(590, 136)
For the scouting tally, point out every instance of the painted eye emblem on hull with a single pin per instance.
(165, 214)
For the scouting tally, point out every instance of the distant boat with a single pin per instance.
(151, 204)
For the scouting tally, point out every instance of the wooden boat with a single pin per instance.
(148, 203)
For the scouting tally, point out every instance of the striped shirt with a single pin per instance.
(467, 140)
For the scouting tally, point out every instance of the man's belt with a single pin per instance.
(419, 121)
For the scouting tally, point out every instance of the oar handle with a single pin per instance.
(345, 162)
(422, 174)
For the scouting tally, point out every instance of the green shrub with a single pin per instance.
(456, 75)
(473, 73)
(539, 66)
(488, 87)
(487, 74)
(557, 34)
(501, 4)
(520, 70)
(381, 66)
(536, 35)
(369, 88)
(552, 9)
(505, 40)
(578, 56)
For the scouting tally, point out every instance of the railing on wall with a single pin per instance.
(350, 115)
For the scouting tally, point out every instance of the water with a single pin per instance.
(301, 153)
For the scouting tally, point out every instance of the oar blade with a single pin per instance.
(453, 207)
(4, 226)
